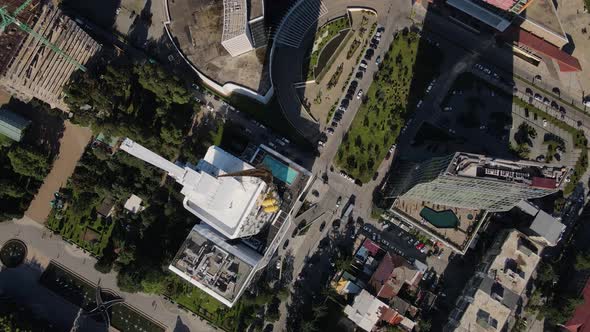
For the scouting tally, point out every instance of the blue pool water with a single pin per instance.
(279, 169)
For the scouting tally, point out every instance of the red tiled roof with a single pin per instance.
(567, 63)
(580, 321)
(543, 182)
(386, 292)
(390, 316)
(371, 246)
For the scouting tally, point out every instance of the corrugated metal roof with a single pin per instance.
(480, 13)
(12, 125)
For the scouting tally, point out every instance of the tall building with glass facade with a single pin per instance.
(474, 181)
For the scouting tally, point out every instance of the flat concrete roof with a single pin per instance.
(221, 269)
(543, 13)
(223, 202)
(197, 27)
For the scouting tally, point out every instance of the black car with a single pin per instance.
(369, 54)
(345, 102)
(322, 226)
(334, 124)
(336, 223)
(286, 244)
(359, 75)
(337, 117)
(354, 83)
(349, 96)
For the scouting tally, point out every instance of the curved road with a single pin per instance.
(287, 61)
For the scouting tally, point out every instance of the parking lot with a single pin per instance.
(395, 240)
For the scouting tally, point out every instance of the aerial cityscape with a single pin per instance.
(294, 165)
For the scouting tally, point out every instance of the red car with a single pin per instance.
(420, 246)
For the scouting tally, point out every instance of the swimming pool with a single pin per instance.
(280, 170)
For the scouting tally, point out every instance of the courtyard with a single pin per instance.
(336, 52)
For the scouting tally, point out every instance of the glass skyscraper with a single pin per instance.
(473, 181)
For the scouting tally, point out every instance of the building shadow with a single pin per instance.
(102, 13)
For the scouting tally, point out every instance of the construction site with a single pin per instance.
(41, 48)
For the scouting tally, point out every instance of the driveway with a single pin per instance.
(71, 148)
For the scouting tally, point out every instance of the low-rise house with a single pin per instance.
(106, 208)
(133, 204)
(368, 312)
(393, 272)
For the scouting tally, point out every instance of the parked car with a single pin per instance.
(286, 244)
(359, 75)
(359, 95)
(322, 226)
(538, 97)
(330, 130)
(339, 201)
(378, 61)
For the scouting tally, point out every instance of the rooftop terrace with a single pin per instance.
(458, 236)
(515, 263)
(206, 260)
(524, 172)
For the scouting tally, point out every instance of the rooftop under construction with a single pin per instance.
(41, 48)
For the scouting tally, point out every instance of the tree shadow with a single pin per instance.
(47, 125)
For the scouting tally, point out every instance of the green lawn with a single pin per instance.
(322, 37)
(407, 68)
(72, 224)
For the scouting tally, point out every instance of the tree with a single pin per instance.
(166, 88)
(582, 261)
(11, 189)
(28, 162)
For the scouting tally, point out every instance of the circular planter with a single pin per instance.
(13, 253)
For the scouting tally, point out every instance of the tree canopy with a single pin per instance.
(28, 162)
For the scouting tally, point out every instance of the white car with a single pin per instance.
(392, 148)
(359, 95)
(587, 102)
(419, 103)
(544, 122)
(448, 109)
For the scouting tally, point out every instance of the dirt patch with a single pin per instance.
(72, 145)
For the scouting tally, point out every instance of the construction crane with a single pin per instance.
(261, 173)
(8, 19)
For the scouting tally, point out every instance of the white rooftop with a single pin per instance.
(365, 311)
(228, 204)
(133, 204)
(222, 202)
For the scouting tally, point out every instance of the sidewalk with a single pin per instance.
(43, 247)
(72, 145)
